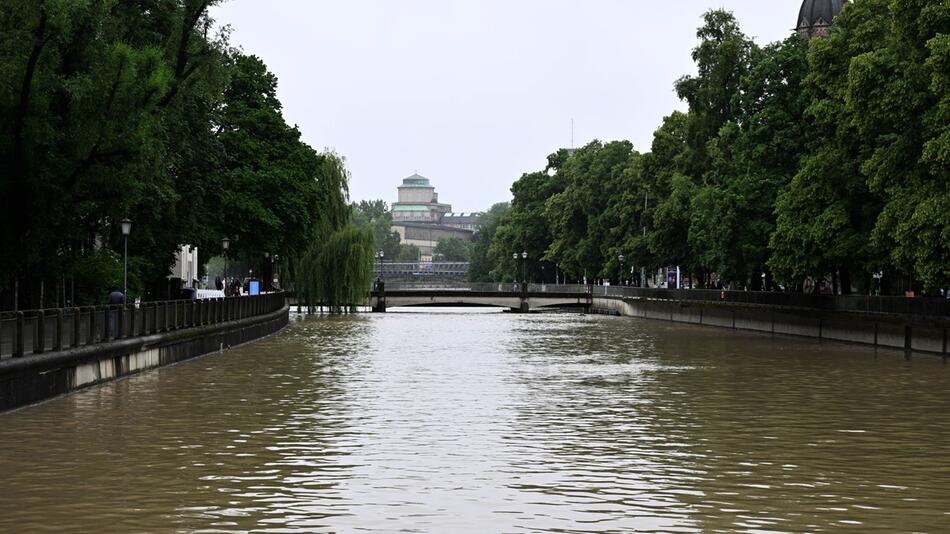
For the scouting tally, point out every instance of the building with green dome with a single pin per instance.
(421, 220)
(418, 202)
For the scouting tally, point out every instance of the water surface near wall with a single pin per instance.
(460, 421)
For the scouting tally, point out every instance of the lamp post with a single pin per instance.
(126, 230)
(524, 264)
(620, 280)
(515, 276)
(225, 245)
(270, 271)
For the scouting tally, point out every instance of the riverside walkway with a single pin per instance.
(502, 295)
(44, 353)
(912, 324)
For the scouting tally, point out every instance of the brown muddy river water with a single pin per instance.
(460, 421)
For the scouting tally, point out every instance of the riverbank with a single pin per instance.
(38, 377)
(890, 331)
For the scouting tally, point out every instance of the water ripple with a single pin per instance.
(474, 422)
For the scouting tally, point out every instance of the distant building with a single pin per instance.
(427, 236)
(418, 202)
(185, 270)
(816, 17)
(464, 221)
(421, 220)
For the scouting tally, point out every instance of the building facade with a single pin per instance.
(418, 202)
(421, 220)
(186, 266)
(816, 17)
(463, 221)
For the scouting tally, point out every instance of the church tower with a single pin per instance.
(816, 17)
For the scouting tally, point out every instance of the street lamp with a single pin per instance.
(524, 263)
(126, 230)
(515, 276)
(269, 265)
(225, 245)
(621, 258)
(379, 263)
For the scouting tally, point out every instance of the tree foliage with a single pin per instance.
(482, 262)
(138, 109)
(375, 215)
(452, 249)
(524, 227)
(337, 273)
(795, 162)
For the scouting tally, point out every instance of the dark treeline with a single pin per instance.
(796, 163)
(141, 110)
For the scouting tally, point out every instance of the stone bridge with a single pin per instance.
(500, 296)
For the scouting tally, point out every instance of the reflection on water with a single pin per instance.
(475, 422)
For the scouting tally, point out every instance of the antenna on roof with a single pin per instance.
(572, 133)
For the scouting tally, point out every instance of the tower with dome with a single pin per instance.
(817, 16)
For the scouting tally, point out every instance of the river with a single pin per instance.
(466, 421)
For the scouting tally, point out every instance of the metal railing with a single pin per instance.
(39, 331)
(422, 268)
(914, 306)
(919, 306)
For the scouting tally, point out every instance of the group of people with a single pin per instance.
(233, 289)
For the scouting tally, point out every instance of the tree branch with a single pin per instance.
(19, 121)
(94, 153)
(182, 70)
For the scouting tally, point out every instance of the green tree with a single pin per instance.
(826, 215)
(801, 160)
(81, 130)
(337, 273)
(580, 217)
(482, 263)
(896, 97)
(722, 58)
(278, 193)
(753, 158)
(376, 215)
(137, 109)
(452, 249)
(524, 228)
(669, 192)
(408, 254)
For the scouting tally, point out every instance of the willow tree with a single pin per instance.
(337, 273)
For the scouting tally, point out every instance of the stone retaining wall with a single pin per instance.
(38, 377)
(880, 330)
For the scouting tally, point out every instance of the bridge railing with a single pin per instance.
(491, 287)
(421, 268)
(39, 331)
(914, 306)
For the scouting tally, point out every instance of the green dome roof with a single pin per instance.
(416, 181)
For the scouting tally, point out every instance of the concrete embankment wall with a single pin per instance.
(35, 378)
(887, 331)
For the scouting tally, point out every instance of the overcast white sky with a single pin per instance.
(472, 94)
